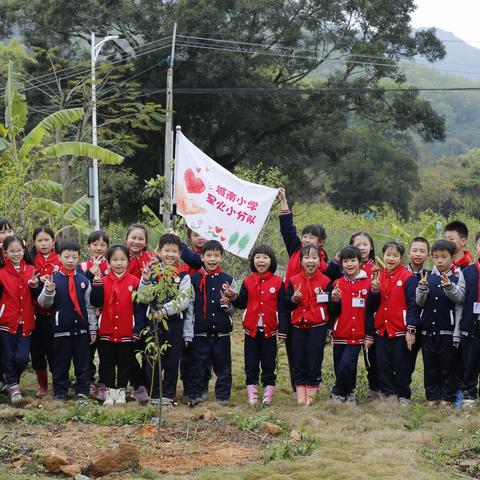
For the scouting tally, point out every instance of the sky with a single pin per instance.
(461, 17)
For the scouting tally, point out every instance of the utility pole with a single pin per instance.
(166, 203)
(93, 178)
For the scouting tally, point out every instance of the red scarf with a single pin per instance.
(115, 297)
(202, 285)
(136, 263)
(46, 266)
(71, 289)
(463, 262)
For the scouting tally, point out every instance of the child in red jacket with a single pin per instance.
(18, 287)
(393, 296)
(307, 298)
(119, 315)
(46, 262)
(263, 295)
(349, 309)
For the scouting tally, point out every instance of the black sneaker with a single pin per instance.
(81, 398)
(195, 402)
(59, 398)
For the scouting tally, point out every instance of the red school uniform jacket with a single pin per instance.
(309, 312)
(367, 267)
(16, 299)
(136, 263)
(350, 315)
(294, 267)
(263, 295)
(396, 302)
(117, 318)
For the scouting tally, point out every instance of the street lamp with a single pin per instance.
(95, 50)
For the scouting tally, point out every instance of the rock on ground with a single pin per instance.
(52, 459)
(124, 456)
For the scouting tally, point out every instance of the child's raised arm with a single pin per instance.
(287, 227)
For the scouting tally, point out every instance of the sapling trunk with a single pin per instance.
(160, 386)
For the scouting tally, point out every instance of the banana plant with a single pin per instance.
(24, 158)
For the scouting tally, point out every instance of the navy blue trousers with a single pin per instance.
(185, 362)
(66, 349)
(216, 350)
(173, 337)
(439, 367)
(41, 351)
(471, 363)
(345, 362)
(114, 367)
(138, 376)
(15, 350)
(307, 352)
(394, 366)
(260, 352)
(91, 362)
(288, 349)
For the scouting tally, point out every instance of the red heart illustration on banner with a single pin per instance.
(218, 229)
(222, 239)
(198, 169)
(194, 184)
(207, 169)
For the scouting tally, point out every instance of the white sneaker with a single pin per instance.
(121, 396)
(404, 402)
(109, 397)
(351, 398)
(468, 403)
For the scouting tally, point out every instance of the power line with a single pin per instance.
(56, 79)
(312, 58)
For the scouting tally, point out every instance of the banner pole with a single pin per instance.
(178, 131)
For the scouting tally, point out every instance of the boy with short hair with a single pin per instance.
(172, 311)
(440, 294)
(457, 232)
(418, 254)
(67, 293)
(208, 325)
(470, 329)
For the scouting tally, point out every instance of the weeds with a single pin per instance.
(255, 423)
(417, 417)
(87, 413)
(289, 448)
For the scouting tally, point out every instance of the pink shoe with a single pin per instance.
(252, 394)
(42, 378)
(140, 395)
(268, 394)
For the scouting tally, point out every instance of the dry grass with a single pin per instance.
(375, 440)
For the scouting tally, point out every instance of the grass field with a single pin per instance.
(374, 440)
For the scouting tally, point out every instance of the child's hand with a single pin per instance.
(456, 344)
(95, 270)
(228, 291)
(444, 280)
(172, 231)
(146, 272)
(423, 279)
(297, 294)
(410, 338)
(283, 199)
(33, 282)
(329, 337)
(93, 337)
(49, 284)
(336, 259)
(223, 299)
(375, 280)
(187, 344)
(336, 293)
(281, 340)
(159, 315)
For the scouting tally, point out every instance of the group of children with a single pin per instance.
(57, 311)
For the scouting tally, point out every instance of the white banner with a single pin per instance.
(215, 203)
